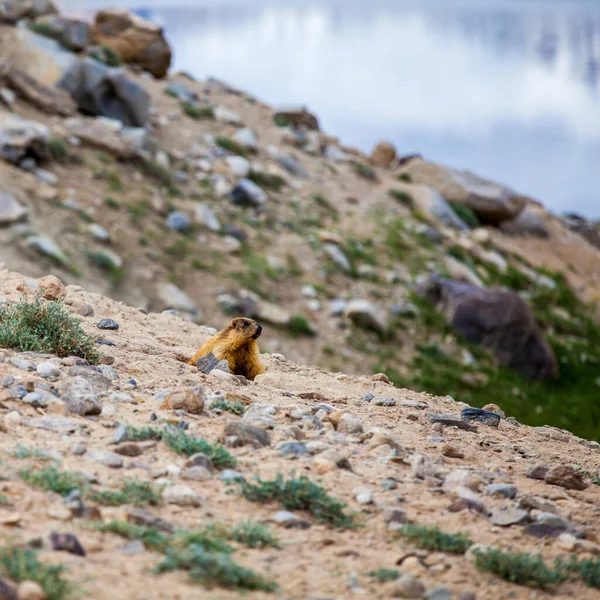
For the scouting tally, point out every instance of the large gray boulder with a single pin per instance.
(490, 201)
(499, 320)
(105, 91)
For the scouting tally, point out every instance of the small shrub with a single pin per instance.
(182, 443)
(458, 252)
(254, 535)
(197, 112)
(520, 568)
(237, 408)
(4, 501)
(402, 197)
(25, 452)
(105, 157)
(210, 568)
(231, 145)
(111, 203)
(434, 539)
(57, 149)
(52, 479)
(280, 121)
(299, 325)
(41, 326)
(138, 210)
(404, 177)
(385, 575)
(466, 214)
(266, 180)
(587, 569)
(138, 493)
(300, 494)
(364, 171)
(20, 564)
(149, 536)
(44, 29)
(136, 434)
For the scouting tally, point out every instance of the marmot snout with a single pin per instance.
(237, 345)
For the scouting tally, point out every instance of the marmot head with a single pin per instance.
(245, 330)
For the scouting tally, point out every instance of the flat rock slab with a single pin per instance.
(509, 516)
(481, 416)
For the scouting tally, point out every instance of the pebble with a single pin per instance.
(133, 548)
(190, 399)
(293, 449)
(229, 475)
(311, 423)
(481, 416)
(107, 324)
(197, 473)
(179, 221)
(66, 542)
(200, 460)
(290, 520)
(109, 459)
(78, 449)
(382, 401)
(18, 391)
(389, 484)
(182, 495)
(209, 363)
(349, 424)
(502, 490)
(408, 586)
(48, 369)
(509, 516)
(394, 515)
(243, 434)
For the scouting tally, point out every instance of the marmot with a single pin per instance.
(238, 346)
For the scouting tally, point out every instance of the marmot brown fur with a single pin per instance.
(238, 346)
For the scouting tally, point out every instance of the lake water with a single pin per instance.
(507, 89)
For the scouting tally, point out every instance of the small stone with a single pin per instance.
(229, 475)
(481, 416)
(293, 449)
(139, 516)
(209, 363)
(452, 452)
(389, 484)
(408, 586)
(78, 449)
(66, 542)
(107, 324)
(394, 515)
(130, 449)
(364, 497)
(509, 516)
(567, 477)
(538, 471)
(382, 401)
(290, 520)
(191, 400)
(80, 397)
(30, 590)
(196, 474)
(179, 221)
(502, 490)
(109, 459)
(245, 435)
(247, 194)
(467, 596)
(349, 424)
(7, 590)
(200, 460)
(495, 409)
(311, 423)
(452, 421)
(181, 495)
(54, 423)
(439, 593)
(48, 369)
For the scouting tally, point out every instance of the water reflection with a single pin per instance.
(507, 89)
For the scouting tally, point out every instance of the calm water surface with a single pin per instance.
(508, 89)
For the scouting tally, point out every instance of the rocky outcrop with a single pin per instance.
(497, 319)
(137, 40)
(383, 155)
(490, 201)
(99, 90)
(529, 222)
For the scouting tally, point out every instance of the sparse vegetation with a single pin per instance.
(111, 203)
(52, 479)
(385, 575)
(231, 145)
(466, 213)
(138, 493)
(280, 121)
(57, 149)
(266, 180)
(364, 171)
(182, 443)
(21, 564)
(106, 55)
(40, 326)
(404, 177)
(106, 262)
(237, 408)
(254, 535)
(299, 325)
(588, 570)
(519, 567)
(300, 494)
(402, 197)
(435, 540)
(197, 112)
(23, 452)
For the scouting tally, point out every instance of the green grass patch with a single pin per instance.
(52, 479)
(405, 177)
(23, 452)
(385, 575)
(466, 213)
(150, 536)
(299, 325)
(434, 539)
(138, 493)
(402, 197)
(266, 180)
(364, 171)
(111, 203)
(236, 408)
(519, 567)
(182, 443)
(280, 121)
(40, 326)
(57, 149)
(231, 145)
(588, 570)
(20, 564)
(254, 535)
(197, 112)
(300, 494)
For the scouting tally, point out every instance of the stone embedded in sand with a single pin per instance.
(349, 424)
(30, 590)
(538, 471)
(189, 399)
(408, 586)
(505, 517)
(200, 460)
(66, 542)
(109, 459)
(209, 363)
(78, 393)
(481, 416)
(452, 452)
(290, 520)
(502, 490)
(139, 516)
(247, 194)
(11, 210)
(107, 324)
(48, 369)
(567, 477)
(52, 287)
(452, 421)
(238, 433)
(293, 449)
(181, 495)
